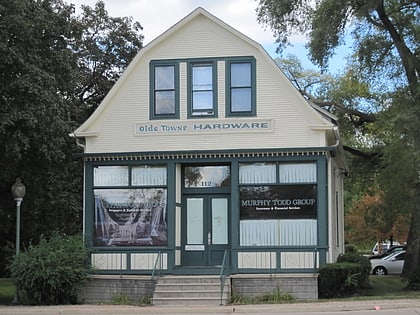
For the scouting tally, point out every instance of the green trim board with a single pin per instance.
(217, 154)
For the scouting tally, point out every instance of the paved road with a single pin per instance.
(383, 307)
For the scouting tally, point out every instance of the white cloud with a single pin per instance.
(156, 16)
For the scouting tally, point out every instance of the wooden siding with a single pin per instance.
(117, 261)
(295, 123)
(257, 260)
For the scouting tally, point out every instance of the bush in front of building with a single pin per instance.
(339, 279)
(364, 265)
(51, 272)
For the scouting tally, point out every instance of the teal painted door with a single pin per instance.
(205, 229)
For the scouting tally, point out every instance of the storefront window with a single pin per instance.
(147, 175)
(297, 173)
(257, 173)
(110, 176)
(281, 212)
(130, 216)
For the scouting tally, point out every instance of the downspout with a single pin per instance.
(78, 142)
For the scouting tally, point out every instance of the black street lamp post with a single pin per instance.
(18, 192)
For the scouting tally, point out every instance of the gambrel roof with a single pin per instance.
(293, 121)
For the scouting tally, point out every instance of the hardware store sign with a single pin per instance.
(196, 126)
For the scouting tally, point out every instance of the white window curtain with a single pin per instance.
(257, 173)
(147, 175)
(298, 232)
(278, 232)
(110, 176)
(297, 173)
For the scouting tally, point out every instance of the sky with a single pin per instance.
(156, 16)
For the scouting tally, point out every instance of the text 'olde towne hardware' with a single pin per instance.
(199, 126)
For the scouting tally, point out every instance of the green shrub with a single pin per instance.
(364, 265)
(338, 279)
(351, 249)
(51, 272)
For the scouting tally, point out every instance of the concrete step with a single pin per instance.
(190, 290)
(190, 301)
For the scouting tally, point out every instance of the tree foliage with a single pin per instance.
(55, 69)
(376, 97)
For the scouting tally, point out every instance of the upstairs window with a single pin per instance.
(164, 91)
(240, 92)
(202, 89)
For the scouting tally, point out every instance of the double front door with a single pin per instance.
(205, 229)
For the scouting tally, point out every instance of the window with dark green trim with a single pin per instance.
(164, 86)
(202, 88)
(278, 204)
(240, 87)
(130, 205)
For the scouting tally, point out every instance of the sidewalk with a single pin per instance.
(301, 308)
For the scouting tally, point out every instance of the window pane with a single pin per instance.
(203, 100)
(165, 102)
(130, 217)
(165, 78)
(147, 175)
(297, 173)
(195, 221)
(257, 173)
(278, 232)
(219, 220)
(240, 74)
(259, 233)
(207, 176)
(241, 100)
(202, 78)
(110, 176)
(298, 232)
(202, 88)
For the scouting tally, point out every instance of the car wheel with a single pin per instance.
(380, 271)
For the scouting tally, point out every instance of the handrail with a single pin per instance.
(155, 274)
(223, 276)
(315, 259)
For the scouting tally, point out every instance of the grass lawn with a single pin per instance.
(7, 291)
(393, 287)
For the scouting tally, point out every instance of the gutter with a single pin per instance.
(78, 142)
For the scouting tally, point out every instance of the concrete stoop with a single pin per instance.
(191, 290)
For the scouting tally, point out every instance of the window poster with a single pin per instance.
(130, 217)
(278, 202)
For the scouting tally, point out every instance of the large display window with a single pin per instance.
(278, 204)
(130, 205)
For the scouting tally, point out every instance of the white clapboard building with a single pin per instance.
(203, 159)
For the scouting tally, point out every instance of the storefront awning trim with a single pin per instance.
(180, 155)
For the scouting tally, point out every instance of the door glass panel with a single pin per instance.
(195, 221)
(219, 220)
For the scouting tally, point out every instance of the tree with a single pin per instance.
(55, 69)
(385, 58)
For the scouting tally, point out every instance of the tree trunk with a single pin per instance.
(412, 258)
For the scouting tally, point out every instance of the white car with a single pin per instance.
(389, 265)
(384, 246)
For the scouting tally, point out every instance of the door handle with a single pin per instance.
(209, 238)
